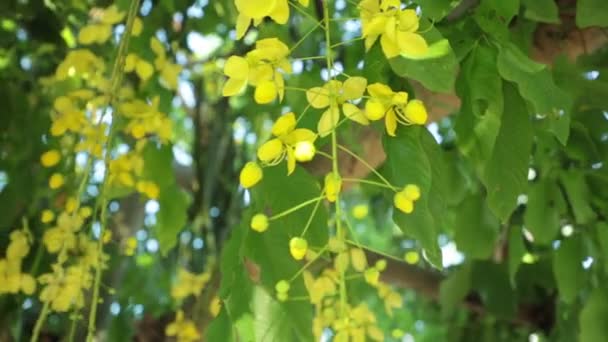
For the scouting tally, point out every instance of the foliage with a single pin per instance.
(286, 170)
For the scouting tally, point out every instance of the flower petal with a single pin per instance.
(236, 66)
(291, 161)
(329, 120)
(411, 43)
(354, 87)
(318, 97)
(233, 86)
(389, 47)
(354, 113)
(270, 150)
(298, 135)
(281, 12)
(408, 20)
(284, 124)
(265, 92)
(242, 24)
(255, 9)
(374, 110)
(390, 122)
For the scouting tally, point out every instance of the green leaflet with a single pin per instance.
(437, 74)
(437, 9)
(536, 85)
(579, 196)
(476, 228)
(545, 11)
(437, 49)
(543, 211)
(270, 250)
(454, 289)
(592, 320)
(516, 252)
(171, 217)
(413, 157)
(506, 172)
(568, 268)
(480, 88)
(591, 13)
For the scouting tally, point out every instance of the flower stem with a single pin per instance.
(372, 169)
(296, 208)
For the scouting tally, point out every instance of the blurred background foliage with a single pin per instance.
(522, 233)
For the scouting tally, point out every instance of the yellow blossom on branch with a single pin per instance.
(395, 27)
(256, 10)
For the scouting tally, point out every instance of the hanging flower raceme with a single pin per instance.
(257, 10)
(393, 107)
(396, 28)
(333, 96)
(286, 143)
(259, 68)
(145, 119)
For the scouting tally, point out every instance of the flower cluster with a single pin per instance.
(12, 279)
(256, 10)
(189, 284)
(260, 68)
(395, 27)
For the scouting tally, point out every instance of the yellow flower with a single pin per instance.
(250, 175)
(19, 246)
(56, 181)
(396, 28)
(256, 10)
(146, 119)
(393, 107)
(47, 216)
(298, 247)
(333, 186)
(411, 257)
(259, 223)
(130, 246)
(215, 306)
(404, 199)
(259, 68)
(50, 158)
(94, 33)
(150, 189)
(169, 72)
(360, 211)
(189, 284)
(371, 275)
(333, 96)
(142, 68)
(304, 151)
(283, 146)
(183, 329)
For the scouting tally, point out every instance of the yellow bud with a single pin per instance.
(397, 333)
(403, 203)
(298, 247)
(415, 112)
(374, 110)
(305, 151)
(250, 175)
(137, 27)
(282, 296)
(50, 158)
(270, 150)
(412, 192)
(47, 216)
(85, 212)
(28, 284)
(360, 211)
(70, 205)
(259, 223)
(358, 259)
(333, 185)
(341, 262)
(412, 257)
(215, 306)
(56, 181)
(380, 265)
(107, 236)
(282, 286)
(372, 275)
(265, 92)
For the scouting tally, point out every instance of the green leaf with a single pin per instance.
(579, 196)
(545, 11)
(602, 236)
(592, 320)
(271, 321)
(476, 228)
(413, 157)
(506, 173)
(536, 85)
(491, 281)
(437, 74)
(437, 9)
(171, 217)
(480, 88)
(158, 162)
(454, 289)
(220, 328)
(568, 268)
(591, 13)
(517, 250)
(270, 250)
(542, 213)
(506, 9)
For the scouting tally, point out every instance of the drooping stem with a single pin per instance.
(102, 203)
